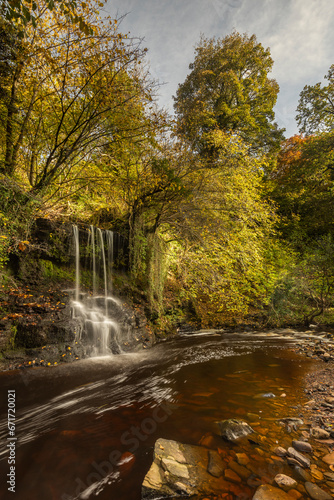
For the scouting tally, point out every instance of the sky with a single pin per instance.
(299, 33)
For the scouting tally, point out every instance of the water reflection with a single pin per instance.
(104, 414)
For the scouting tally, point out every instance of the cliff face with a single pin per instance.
(39, 324)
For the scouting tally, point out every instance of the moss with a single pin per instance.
(55, 273)
(12, 338)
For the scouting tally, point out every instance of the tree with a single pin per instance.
(23, 12)
(315, 111)
(228, 89)
(71, 93)
(302, 186)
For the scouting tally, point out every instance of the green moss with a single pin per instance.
(53, 272)
(12, 338)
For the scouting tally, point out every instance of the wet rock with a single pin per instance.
(264, 395)
(280, 451)
(285, 482)
(183, 470)
(301, 459)
(239, 469)
(301, 474)
(242, 458)
(319, 433)
(232, 476)
(302, 446)
(291, 423)
(215, 465)
(329, 459)
(316, 493)
(268, 492)
(234, 429)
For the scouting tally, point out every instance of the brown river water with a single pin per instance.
(87, 430)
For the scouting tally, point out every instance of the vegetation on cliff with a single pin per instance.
(227, 221)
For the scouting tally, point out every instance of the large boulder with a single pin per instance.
(181, 470)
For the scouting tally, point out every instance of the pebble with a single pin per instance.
(268, 492)
(285, 482)
(280, 451)
(329, 459)
(319, 433)
(302, 474)
(302, 446)
(230, 475)
(242, 458)
(316, 493)
(303, 461)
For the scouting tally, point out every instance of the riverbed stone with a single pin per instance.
(329, 458)
(295, 455)
(232, 476)
(285, 482)
(215, 464)
(319, 433)
(291, 423)
(280, 451)
(183, 470)
(233, 429)
(242, 458)
(302, 446)
(268, 492)
(239, 469)
(301, 474)
(316, 493)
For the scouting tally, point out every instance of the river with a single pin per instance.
(87, 429)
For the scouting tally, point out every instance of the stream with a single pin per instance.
(87, 429)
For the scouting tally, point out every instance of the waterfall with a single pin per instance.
(77, 262)
(99, 232)
(97, 313)
(110, 253)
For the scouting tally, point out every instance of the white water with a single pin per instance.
(99, 328)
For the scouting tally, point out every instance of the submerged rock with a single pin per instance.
(234, 429)
(268, 492)
(316, 493)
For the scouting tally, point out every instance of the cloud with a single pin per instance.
(298, 32)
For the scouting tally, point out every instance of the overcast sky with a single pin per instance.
(299, 34)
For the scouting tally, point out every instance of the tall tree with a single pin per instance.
(228, 89)
(315, 111)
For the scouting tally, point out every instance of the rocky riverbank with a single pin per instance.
(245, 460)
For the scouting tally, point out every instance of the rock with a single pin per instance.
(234, 429)
(295, 494)
(285, 482)
(329, 459)
(215, 465)
(239, 469)
(264, 395)
(319, 433)
(242, 458)
(232, 476)
(302, 446)
(291, 423)
(268, 492)
(301, 474)
(183, 470)
(316, 493)
(303, 461)
(280, 452)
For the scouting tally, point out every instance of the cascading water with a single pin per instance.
(98, 313)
